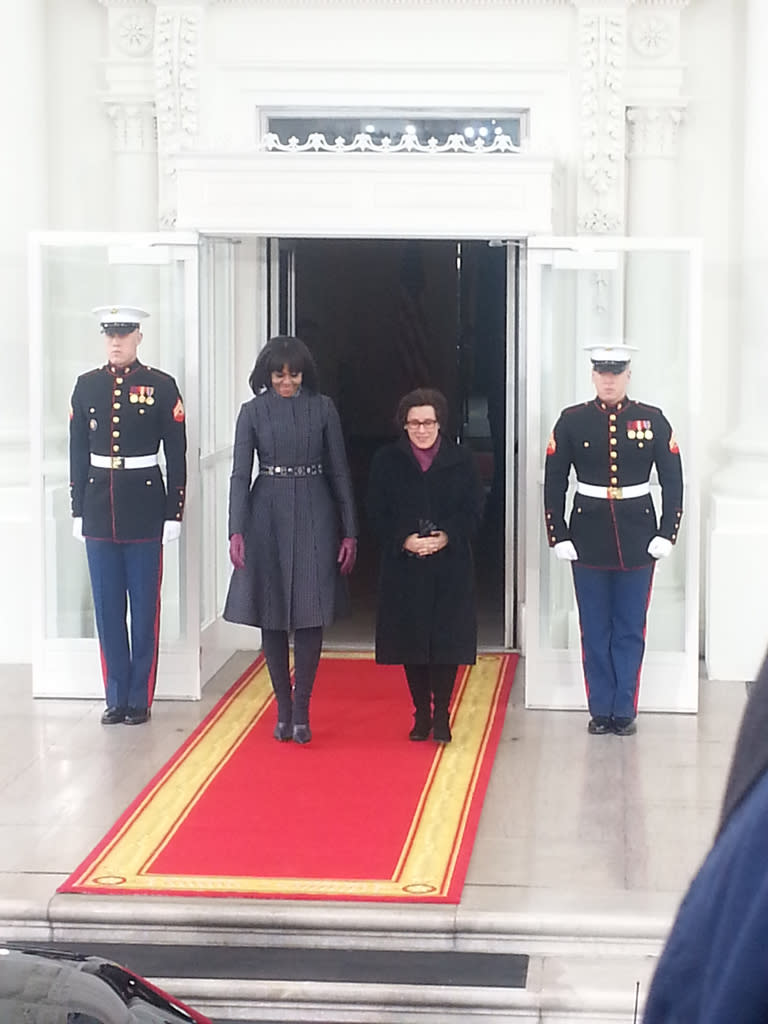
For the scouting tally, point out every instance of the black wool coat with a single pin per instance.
(426, 606)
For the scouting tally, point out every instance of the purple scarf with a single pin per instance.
(426, 456)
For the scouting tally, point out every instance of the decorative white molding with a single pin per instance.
(653, 131)
(602, 45)
(654, 36)
(177, 99)
(363, 143)
(177, 33)
(678, 4)
(409, 3)
(133, 126)
(132, 33)
(391, 3)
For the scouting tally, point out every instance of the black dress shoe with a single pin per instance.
(136, 716)
(599, 725)
(624, 726)
(113, 716)
(283, 732)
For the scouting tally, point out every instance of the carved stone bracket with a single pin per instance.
(602, 43)
(177, 54)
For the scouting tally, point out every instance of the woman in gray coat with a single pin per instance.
(293, 529)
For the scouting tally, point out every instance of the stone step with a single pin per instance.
(533, 928)
(586, 957)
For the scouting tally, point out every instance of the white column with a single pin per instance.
(129, 105)
(135, 161)
(737, 620)
(652, 201)
(23, 188)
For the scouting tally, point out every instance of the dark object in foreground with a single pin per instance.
(42, 985)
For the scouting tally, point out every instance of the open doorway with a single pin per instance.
(383, 316)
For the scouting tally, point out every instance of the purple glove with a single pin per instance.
(237, 550)
(347, 555)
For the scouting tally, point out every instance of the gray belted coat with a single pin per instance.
(292, 522)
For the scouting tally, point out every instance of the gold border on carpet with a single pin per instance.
(429, 856)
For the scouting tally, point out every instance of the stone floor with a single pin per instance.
(585, 844)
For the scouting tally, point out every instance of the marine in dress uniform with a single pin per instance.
(612, 538)
(119, 415)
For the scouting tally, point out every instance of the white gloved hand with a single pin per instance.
(77, 529)
(171, 530)
(660, 547)
(565, 551)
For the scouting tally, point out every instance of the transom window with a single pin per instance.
(474, 130)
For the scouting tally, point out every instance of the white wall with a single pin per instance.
(255, 57)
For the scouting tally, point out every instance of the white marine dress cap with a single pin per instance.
(119, 315)
(609, 353)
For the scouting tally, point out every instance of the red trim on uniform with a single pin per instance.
(152, 677)
(645, 631)
(103, 667)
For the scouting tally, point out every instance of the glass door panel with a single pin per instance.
(70, 275)
(645, 293)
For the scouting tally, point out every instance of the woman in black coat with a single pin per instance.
(425, 504)
(286, 527)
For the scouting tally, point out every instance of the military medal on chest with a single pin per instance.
(141, 394)
(639, 430)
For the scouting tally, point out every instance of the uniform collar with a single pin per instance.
(122, 371)
(619, 407)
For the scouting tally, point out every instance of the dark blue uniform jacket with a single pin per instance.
(714, 967)
(119, 413)
(612, 446)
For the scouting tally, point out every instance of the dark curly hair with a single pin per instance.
(283, 350)
(422, 396)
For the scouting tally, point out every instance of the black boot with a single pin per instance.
(418, 684)
(275, 646)
(422, 726)
(442, 680)
(307, 644)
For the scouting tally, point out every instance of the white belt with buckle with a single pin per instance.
(614, 493)
(124, 461)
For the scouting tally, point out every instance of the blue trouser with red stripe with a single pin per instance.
(613, 607)
(130, 571)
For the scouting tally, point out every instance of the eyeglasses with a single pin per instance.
(416, 424)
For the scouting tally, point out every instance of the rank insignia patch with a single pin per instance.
(178, 411)
(673, 444)
(551, 445)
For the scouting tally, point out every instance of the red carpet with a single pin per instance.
(360, 813)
